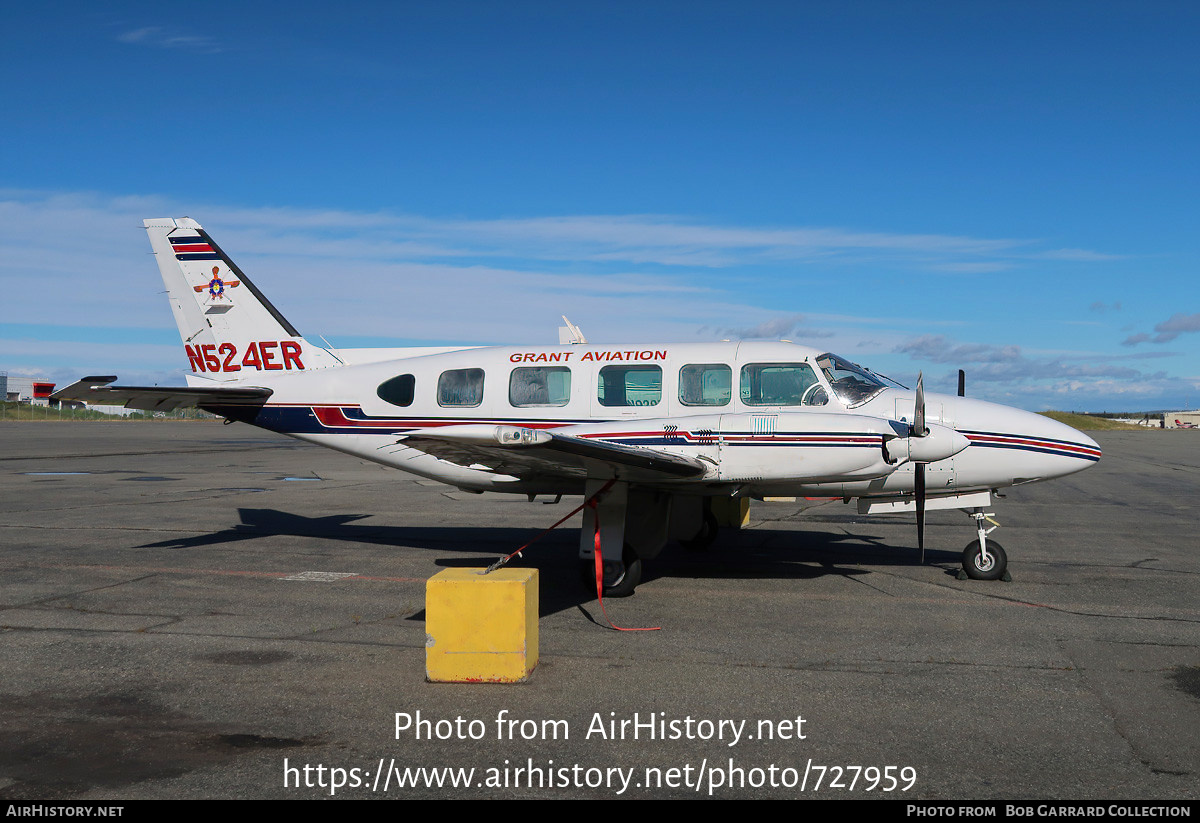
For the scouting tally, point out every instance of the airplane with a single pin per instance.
(653, 435)
(1179, 424)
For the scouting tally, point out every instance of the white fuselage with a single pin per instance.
(812, 442)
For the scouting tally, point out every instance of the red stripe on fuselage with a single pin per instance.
(335, 416)
(1041, 444)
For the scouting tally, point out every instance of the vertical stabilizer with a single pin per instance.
(229, 328)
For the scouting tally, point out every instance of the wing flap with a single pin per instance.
(96, 390)
(521, 452)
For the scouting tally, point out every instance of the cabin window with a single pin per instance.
(781, 384)
(706, 384)
(398, 391)
(629, 386)
(540, 386)
(460, 387)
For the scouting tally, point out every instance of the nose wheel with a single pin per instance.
(984, 559)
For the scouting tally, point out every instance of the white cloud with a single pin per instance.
(1009, 374)
(163, 38)
(973, 268)
(1081, 255)
(80, 259)
(631, 239)
(1168, 330)
(776, 328)
(622, 276)
(1178, 324)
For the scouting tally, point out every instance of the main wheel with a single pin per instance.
(621, 577)
(977, 568)
(707, 534)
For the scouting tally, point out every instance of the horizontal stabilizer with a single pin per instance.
(97, 391)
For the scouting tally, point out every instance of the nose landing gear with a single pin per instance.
(983, 559)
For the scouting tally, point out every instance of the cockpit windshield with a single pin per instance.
(851, 383)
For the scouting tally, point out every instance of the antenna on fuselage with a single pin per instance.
(570, 334)
(329, 348)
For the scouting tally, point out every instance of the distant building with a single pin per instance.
(119, 411)
(1180, 419)
(32, 390)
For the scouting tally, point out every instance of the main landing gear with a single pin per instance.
(640, 522)
(707, 535)
(621, 577)
(984, 559)
(634, 522)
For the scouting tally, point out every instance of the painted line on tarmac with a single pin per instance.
(312, 576)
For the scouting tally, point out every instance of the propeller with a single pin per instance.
(919, 429)
(923, 444)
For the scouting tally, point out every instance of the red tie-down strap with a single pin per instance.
(592, 503)
(589, 502)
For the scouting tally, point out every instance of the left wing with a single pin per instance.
(96, 389)
(522, 452)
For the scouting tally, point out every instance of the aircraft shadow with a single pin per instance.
(804, 553)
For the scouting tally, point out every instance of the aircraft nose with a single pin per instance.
(1015, 446)
(1056, 448)
(1087, 441)
(1047, 427)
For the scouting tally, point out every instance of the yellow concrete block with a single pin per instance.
(731, 512)
(481, 628)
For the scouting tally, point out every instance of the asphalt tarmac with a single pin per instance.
(191, 610)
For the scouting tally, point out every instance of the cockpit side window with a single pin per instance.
(781, 384)
(853, 384)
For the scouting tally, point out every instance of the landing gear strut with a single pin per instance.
(983, 559)
(624, 543)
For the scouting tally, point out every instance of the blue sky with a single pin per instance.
(1009, 188)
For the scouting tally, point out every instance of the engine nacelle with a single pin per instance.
(940, 443)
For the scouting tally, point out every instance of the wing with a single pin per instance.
(523, 452)
(158, 398)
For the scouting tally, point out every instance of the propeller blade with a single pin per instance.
(962, 383)
(918, 427)
(920, 490)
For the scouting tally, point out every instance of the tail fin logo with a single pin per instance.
(216, 286)
(193, 248)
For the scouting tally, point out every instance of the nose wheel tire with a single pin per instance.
(978, 567)
(621, 577)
